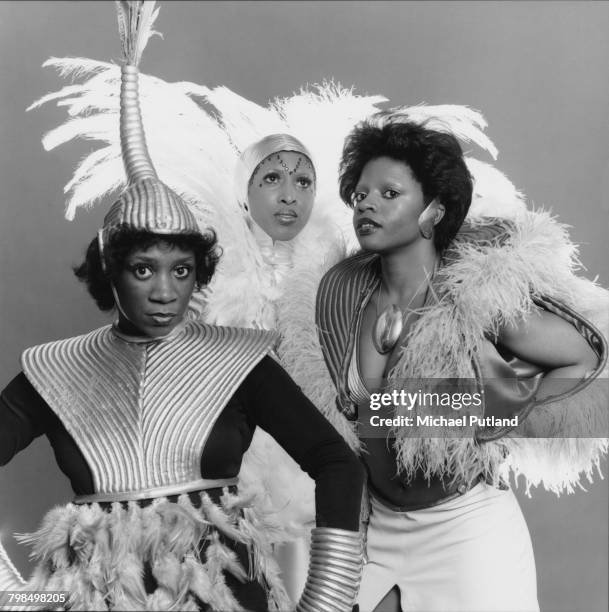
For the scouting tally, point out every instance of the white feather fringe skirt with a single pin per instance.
(472, 553)
(202, 551)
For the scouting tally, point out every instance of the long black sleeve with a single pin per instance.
(24, 416)
(274, 402)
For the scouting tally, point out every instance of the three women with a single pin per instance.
(487, 314)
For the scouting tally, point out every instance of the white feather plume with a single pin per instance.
(494, 194)
(135, 21)
(188, 148)
(463, 122)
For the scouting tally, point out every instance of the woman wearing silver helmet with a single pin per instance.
(149, 418)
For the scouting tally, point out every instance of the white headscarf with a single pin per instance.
(256, 153)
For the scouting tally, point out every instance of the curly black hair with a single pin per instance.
(435, 158)
(124, 241)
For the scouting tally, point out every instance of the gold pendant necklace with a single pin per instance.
(389, 324)
(387, 329)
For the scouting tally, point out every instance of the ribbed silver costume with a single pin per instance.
(141, 412)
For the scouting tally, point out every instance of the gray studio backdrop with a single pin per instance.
(538, 71)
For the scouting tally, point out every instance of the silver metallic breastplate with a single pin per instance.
(141, 412)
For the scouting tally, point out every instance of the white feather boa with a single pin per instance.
(490, 286)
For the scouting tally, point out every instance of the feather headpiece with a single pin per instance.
(147, 203)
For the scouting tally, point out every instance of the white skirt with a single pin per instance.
(472, 553)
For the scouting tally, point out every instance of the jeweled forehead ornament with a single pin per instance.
(285, 166)
(147, 203)
(253, 157)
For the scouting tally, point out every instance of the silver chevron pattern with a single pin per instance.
(141, 413)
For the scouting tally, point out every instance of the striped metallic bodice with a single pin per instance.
(358, 392)
(141, 412)
(339, 298)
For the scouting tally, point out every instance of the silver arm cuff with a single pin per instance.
(10, 578)
(335, 571)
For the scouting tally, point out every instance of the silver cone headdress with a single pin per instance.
(147, 203)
